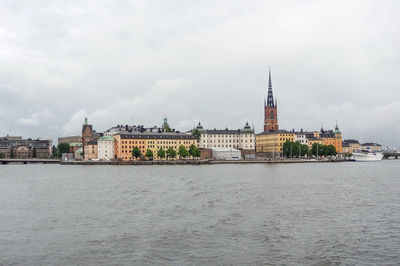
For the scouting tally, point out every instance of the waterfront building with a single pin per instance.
(333, 138)
(271, 142)
(88, 134)
(19, 148)
(270, 109)
(154, 141)
(91, 150)
(346, 148)
(226, 153)
(353, 144)
(243, 139)
(301, 137)
(106, 148)
(311, 141)
(371, 146)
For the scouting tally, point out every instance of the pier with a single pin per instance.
(29, 161)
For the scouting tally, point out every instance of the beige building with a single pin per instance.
(90, 150)
(106, 148)
(243, 139)
(371, 146)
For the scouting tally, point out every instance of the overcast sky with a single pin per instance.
(133, 62)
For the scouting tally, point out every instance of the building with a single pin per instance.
(346, 148)
(333, 138)
(313, 140)
(154, 141)
(88, 134)
(91, 150)
(353, 144)
(301, 137)
(106, 148)
(226, 153)
(270, 109)
(19, 148)
(70, 139)
(371, 146)
(271, 142)
(243, 139)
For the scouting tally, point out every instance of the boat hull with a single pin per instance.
(367, 157)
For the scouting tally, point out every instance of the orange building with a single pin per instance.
(333, 138)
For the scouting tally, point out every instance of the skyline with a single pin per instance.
(113, 62)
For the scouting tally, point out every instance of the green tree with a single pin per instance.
(34, 153)
(136, 152)
(291, 149)
(183, 152)
(196, 133)
(54, 152)
(149, 155)
(196, 152)
(318, 149)
(161, 153)
(303, 150)
(2, 155)
(63, 148)
(330, 150)
(171, 153)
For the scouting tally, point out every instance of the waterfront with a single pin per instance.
(290, 214)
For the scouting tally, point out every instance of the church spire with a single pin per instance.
(270, 98)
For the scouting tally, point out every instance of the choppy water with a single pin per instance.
(298, 214)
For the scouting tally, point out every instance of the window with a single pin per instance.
(272, 115)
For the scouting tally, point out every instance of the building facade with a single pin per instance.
(370, 146)
(19, 148)
(271, 142)
(243, 139)
(125, 143)
(270, 109)
(106, 148)
(91, 150)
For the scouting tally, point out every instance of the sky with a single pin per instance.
(135, 62)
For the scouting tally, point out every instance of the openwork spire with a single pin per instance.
(270, 98)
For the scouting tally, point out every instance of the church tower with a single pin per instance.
(270, 109)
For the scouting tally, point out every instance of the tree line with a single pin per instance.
(296, 149)
(170, 153)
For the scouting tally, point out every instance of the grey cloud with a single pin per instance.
(199, 60)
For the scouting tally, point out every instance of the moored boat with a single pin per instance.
(366, 156)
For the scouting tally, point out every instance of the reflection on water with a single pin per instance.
(297, 214)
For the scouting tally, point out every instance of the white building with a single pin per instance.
(243, 139)
(226, 153)
(301, 137)
(106, 148)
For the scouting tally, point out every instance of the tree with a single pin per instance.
(183, 152)
(12, 153)
(161, 153)
(136, 152)
(149, 155)
(55, 152)
(171, 153)
(2, 155)
(303, 150)
(63, 148)
(196, 152)
(196, 133)
(330, 150)
(34, 153)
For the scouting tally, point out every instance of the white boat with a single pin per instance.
(366, 156)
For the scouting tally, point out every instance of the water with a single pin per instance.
(297, 214)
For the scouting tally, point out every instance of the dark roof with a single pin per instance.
(371, 144)
(155, 135)
(92, 142)
(351, 141)
(345, 144)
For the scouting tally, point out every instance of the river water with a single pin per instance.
(259, 214)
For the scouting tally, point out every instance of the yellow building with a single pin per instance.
(154, 141)
(271, 142)
(315, 140)
(333, 138)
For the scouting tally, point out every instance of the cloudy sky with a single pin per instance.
(133, 62)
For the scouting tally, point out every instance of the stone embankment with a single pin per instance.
(197, 162)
